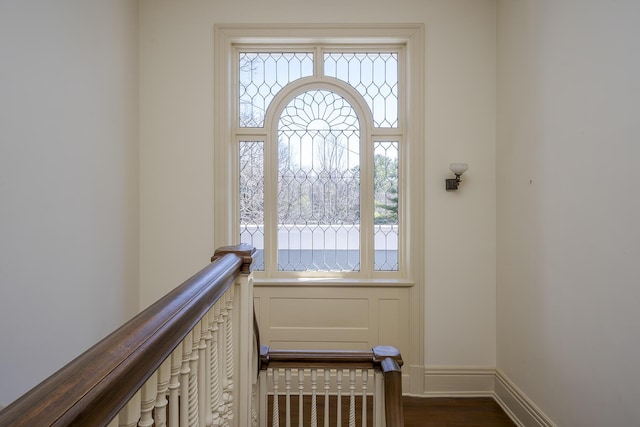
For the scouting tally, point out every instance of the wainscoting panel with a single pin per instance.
(319, 313)
(333, 317)
(389, 323)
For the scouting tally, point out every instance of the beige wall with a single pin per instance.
(568, 207)
(68, 181)
(176, 50)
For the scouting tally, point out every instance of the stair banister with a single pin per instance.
(193, 358)
(94, 387)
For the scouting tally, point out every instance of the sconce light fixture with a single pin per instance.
(458, 169)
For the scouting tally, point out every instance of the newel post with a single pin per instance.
(390, 362)
(244, 372)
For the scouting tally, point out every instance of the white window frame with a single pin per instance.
(228, 38)
(412, 180)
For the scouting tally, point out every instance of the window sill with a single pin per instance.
(331, 282)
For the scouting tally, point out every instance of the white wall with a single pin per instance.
(177, 150)
(68, 181)
(568, 207)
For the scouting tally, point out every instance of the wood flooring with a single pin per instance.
(418, 412)
(454, 412)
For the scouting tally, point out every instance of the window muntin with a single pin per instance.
(317, 240)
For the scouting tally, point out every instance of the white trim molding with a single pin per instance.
(517, 405)
(448, 381)
(459, 382)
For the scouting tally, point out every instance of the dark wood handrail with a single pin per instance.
(385, 358)
(324, 358)
(94, 387)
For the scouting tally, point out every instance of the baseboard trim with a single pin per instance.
(458, 382)
(517, 405)
(413, 380)
(485, 382)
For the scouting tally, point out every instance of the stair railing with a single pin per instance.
(323, 379)
(184, 361)
(192, 359)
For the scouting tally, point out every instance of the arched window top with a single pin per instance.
(318, 110)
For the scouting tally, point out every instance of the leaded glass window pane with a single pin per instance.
(252, 198)
(375, 76)
(262, 75)
(385, 187)
(318, 184)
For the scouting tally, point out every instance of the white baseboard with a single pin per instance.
(517, 405)
(485, 382)
(458, 382)
(412, 380)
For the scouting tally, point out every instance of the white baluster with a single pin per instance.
(147, 400)
(365, 379)
(114, 422)
(161, 396)
(229, 343)
(352, 397)
(287, 388)
(130, 414)
(339, 397)
(203, 374)
(208, 361)
(222, 360)
(194, 364)
(378, 400)
(254, 405)
(276, 409)
(187, 347)
(216, 401)
(327, 378)
(314, 401)
(300, 397)
(263, 395)
(174, 386)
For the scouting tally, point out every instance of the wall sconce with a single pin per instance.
(458, 169)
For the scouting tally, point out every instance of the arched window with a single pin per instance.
(318, 223)
(319, 189)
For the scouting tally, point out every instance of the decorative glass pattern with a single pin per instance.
(315, 217)
(252, 198)
(318, 184)
(262, 75)
(385, 188)
(375, 76)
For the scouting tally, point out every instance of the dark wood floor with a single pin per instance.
(418, 412)
(454, 412)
